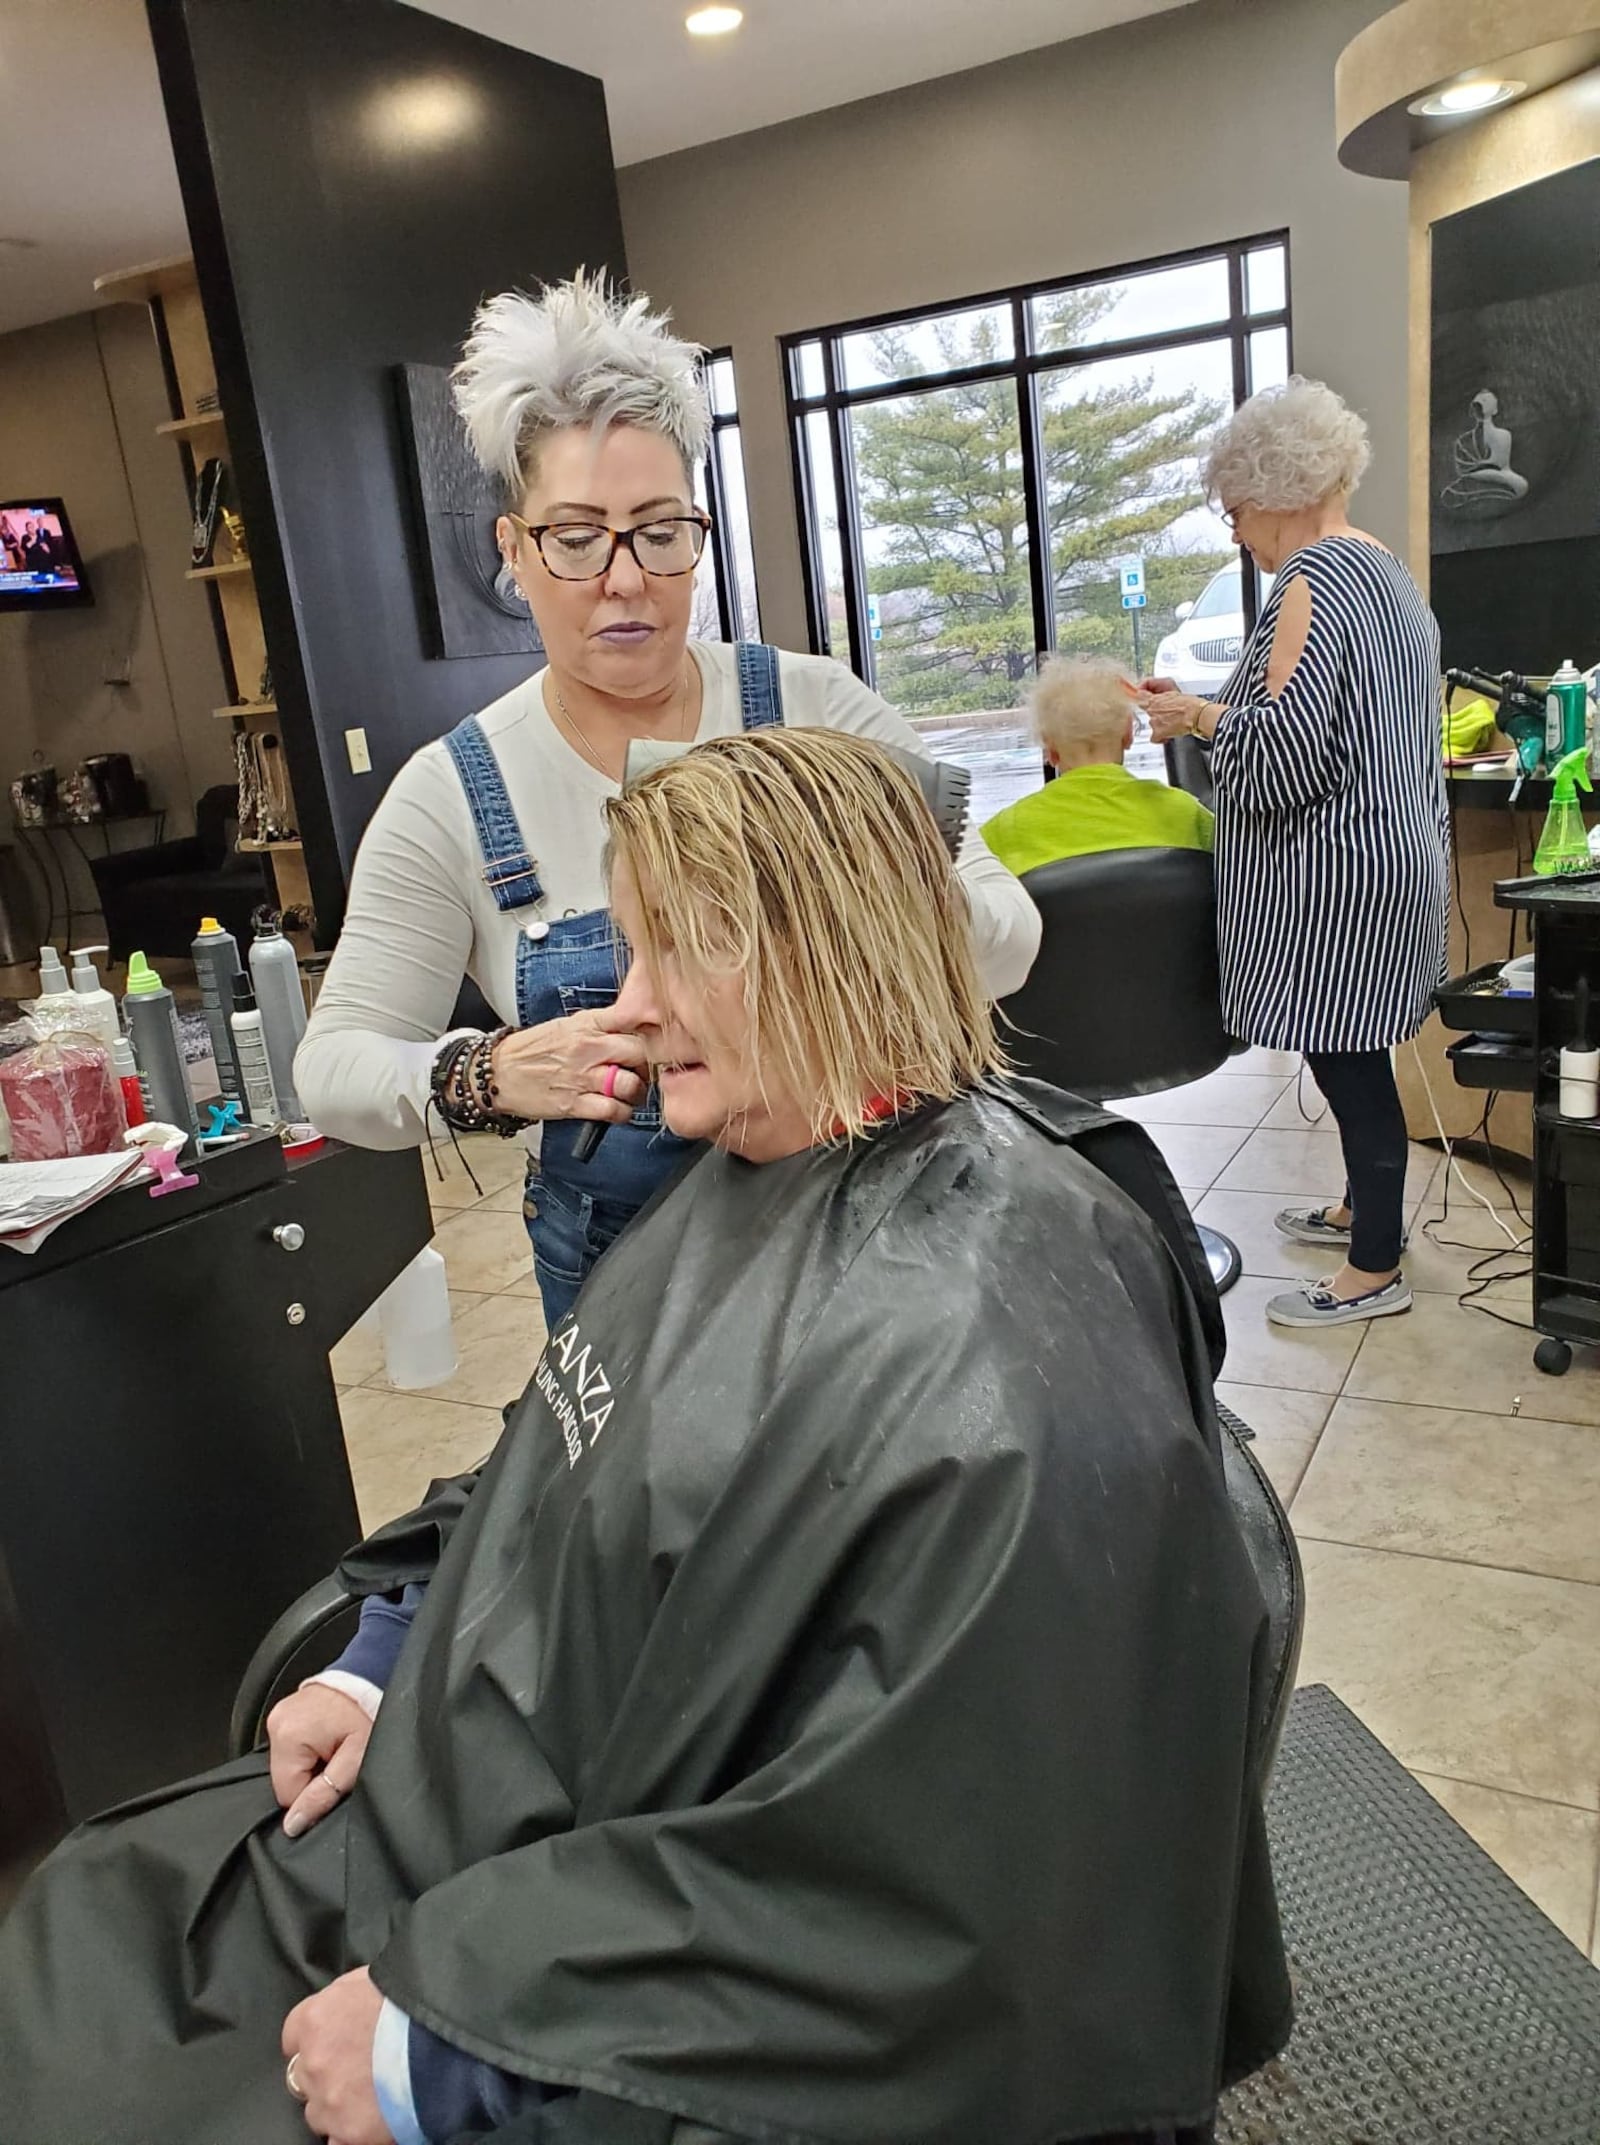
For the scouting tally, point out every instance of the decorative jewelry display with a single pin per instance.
(236, 536)
(264, 689)
(264, 814)
(208, 487)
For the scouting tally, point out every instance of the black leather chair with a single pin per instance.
(1124, 998)
(1189, 768)
(153, 899)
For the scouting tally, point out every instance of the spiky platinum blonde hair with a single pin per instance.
(1288, 448)
(579, 353)
(1081, 705)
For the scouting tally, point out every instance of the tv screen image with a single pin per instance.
(40, 565)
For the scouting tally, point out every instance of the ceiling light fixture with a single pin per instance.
(713, 21)
(1464, 98)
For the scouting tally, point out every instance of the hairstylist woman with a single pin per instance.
(485, 856)
(1332, 837)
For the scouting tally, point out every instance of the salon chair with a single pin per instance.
(1189, 768)
(1124, 998)
(153, 899)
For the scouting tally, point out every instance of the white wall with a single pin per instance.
(1210, 123)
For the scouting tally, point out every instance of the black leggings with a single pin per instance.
(1359, 1085)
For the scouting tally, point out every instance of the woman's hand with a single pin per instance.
(328, 2038)
(1157, 685)
(558, 1069)
(316, 1740)
(1173, 714)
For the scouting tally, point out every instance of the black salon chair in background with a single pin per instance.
(1124, 998)
(1189, 768)
(153, 899)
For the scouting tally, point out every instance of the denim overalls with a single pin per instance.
(574, 1210)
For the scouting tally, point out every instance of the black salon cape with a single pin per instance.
(830, 1718)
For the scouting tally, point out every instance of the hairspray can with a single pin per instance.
(216, 963)
(152, 1016)
(275, 975)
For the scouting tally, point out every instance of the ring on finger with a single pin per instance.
(609, 1086)
(291, 2079)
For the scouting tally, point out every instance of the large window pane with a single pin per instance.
(1121, 440)
(719, 378)
(809, 378)
(1155, 303)
(940, 343)
(1266, 279)
(825, 502)
(945, 537)
(1269, 358)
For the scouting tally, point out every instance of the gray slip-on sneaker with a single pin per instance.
(1316, 1304)
(1310, 1225)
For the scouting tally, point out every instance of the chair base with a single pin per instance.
(1222, 1256)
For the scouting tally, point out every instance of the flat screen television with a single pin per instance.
(40, 565)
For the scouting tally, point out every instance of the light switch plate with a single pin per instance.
(355, 743)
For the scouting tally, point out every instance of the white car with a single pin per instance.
(1208, 639)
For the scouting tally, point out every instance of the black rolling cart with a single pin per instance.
(1565, 915)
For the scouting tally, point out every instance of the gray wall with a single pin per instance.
(80, 400)
(1206, 124)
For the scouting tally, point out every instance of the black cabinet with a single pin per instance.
(172, 1467)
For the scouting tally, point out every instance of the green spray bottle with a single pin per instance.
(1564, 843)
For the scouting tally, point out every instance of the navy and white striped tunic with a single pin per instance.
(1333, 834)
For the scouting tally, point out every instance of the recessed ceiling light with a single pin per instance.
(713, 21)
(1464, 97)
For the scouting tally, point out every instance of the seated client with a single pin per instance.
(829, 1713)
(1084, 715)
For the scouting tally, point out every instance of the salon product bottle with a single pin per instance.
(153, 1027)
(56, 1006)
(275, 975)
(97, 1009)
(1566, 712)
(1580, 1065)
(250, 1048)
(216, 963)
(126, 1067)
(419, 1347)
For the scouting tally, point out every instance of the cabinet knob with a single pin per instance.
(288, 1236)
(296, 1314)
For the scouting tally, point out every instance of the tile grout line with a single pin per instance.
(1490, 1787)
(1434, 1556)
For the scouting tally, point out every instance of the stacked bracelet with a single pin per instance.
(464, 1087)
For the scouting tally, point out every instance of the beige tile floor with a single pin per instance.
(1446, 1495)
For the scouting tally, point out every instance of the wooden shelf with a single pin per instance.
(190, 427)
(217, 573)
(155, 279)
(247, 707)
(269, 848)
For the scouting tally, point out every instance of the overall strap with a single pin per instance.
(509, 872)
(760, 694)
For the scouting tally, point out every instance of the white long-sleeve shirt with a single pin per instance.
(420, 916)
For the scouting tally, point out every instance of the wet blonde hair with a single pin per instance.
(807, 863)
(1081, 705)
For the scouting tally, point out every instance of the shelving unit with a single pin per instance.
(170, 290)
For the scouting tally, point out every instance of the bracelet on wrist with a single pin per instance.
(464, 1087)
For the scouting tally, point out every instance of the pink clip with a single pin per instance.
(174, 1178)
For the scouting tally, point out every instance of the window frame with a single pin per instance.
(724, 564)
(1025, 368)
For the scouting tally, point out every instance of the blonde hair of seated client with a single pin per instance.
(807, 864)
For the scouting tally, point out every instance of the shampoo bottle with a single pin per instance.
(275, 975)
(250, 1047)
(97, 1009)
(56, 1006)
(153, 1027)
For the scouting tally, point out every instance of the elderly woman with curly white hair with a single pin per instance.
(485, 858)
(1332, 838)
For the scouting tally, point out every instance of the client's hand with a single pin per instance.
(559, 1068)
(328, 2039)
(316, 1740)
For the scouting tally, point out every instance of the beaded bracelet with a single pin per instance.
(464, 1088)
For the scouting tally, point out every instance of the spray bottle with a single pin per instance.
(216, 963)
(275, 974)
(97, 1009)
(250, 1047)
(1564, 843)
(1566, 713)
(153, 1025)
